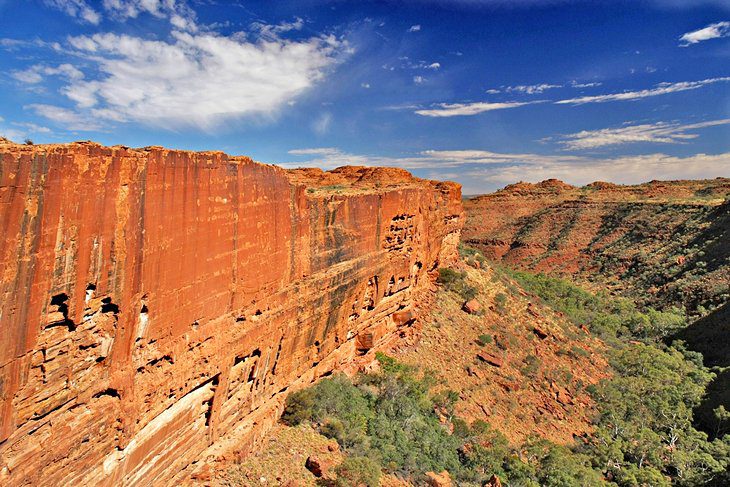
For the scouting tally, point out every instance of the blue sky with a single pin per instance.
(484, 92)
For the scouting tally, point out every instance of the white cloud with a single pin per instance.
(76, 8)
(365, 85)
(32, 127)
(194, 79)
(28, 76)
(414, 28)
(712, 31)
(661, 89)
(531, 89)
(418, 79)
(493, 91)
(21, 130)
(321, 125)
(274, 31)
(70, 119)
(662, 132)
(466, 109)
(35, 74)
(434, 66)
(177, 11)
(575, 84)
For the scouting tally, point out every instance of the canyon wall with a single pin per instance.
(663, 242)
(157, 305)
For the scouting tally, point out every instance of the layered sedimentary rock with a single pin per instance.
(157, 305)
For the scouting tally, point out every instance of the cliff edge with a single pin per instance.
(157, 305)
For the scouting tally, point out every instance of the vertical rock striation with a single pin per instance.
(157, 305)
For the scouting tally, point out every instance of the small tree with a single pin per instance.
(358, 471)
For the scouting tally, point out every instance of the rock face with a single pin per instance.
(665, 239)
(156, 306)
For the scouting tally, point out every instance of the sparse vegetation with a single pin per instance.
(485, 339)
(456, 282)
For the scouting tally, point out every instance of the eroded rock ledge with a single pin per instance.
(157, 305)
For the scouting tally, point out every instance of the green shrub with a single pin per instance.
(356, 471)
(532, 365)
(485, 339)
(455, 281)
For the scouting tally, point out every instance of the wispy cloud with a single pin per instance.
(35, 74)
(78, 9)
(712, 31)
(414, 28)
(660, 89)
(531, 89)
(575, 84)
(69, 119)
(321, 125)
(18, 131)
(466, 109)
(475, 108)
(661, 132)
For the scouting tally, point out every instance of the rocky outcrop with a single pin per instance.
(156, 306)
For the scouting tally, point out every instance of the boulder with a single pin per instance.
(493, 360)
(314, 465)
(442, 479)
(472, 306)
(493, 482)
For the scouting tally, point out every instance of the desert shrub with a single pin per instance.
(455, 281)
(470, 255)
(299, 407)
(532, 365)
(500, 299)
(485, 339)
(338, 408)
(357, 471)
(390, 415)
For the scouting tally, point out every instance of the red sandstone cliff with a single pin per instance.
(157, 304)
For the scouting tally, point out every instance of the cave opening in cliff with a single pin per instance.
(107, 306)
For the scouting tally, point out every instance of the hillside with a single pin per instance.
(666, 243)
(532, 380)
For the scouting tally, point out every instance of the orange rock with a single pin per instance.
(197, 287)
(314, 465)
(442, 479)
(472, 306)
(490, 359)
(493, 481)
